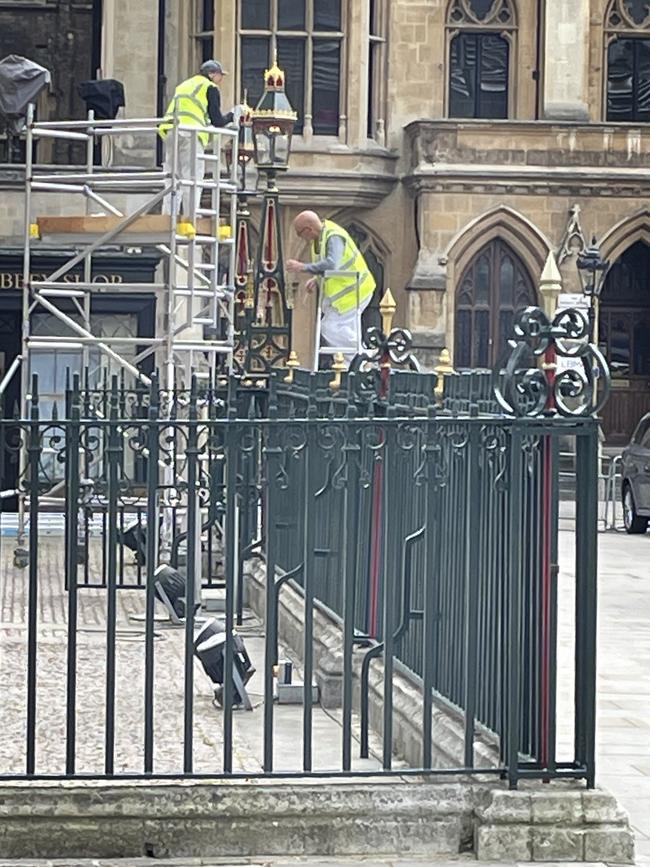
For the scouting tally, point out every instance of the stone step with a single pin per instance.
(226, 819)
(219, 819)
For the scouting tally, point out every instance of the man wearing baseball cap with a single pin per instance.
(196, 102)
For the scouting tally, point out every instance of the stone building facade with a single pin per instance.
(461, 141)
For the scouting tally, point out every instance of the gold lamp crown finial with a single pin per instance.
(274, 77)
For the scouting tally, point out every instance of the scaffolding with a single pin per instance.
(196, 292)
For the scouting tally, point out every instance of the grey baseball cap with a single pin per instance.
(212, 66)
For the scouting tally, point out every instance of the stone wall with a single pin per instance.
(129, 54)
(429, 195)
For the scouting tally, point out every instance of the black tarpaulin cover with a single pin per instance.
(105, 97)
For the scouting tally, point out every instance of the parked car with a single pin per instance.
(636, 479)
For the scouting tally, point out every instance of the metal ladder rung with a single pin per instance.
(197, 239)
(204, 239)
(226, 187)
(197, 293)
(206, 212)
(203, 320)
(207, 266)
(202, 346)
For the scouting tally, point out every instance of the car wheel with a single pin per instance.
(633, 523)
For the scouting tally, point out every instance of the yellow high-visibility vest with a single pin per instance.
(191, 102)
(342, 292)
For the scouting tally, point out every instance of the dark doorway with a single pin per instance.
(624, 337)
(371, 315)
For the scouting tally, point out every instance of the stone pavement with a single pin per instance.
(129, 721)
(623, 716)
(623, 690)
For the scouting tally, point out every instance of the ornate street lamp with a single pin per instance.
(592, 270)
(263, 311)
(273, 123)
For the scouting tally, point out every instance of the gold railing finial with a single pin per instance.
(387, 308)
(443, 368)
(292, 363)
(339, 367)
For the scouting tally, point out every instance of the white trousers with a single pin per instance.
(184, 171)
(343, 329)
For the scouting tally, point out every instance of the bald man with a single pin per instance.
(343, 298)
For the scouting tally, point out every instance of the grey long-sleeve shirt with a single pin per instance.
(333, 257)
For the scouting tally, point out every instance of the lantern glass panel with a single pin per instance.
(262, 148)
(281, 148)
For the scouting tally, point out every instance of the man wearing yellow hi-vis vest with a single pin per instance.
(344, 296)
(197, 101)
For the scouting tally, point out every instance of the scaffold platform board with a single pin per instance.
(148, 229)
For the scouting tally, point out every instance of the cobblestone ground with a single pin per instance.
(129, 716)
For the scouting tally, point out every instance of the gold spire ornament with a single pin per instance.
(293, 364)
(443, 368)
(339, 368)
(387, 308)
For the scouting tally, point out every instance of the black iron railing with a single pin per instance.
(430, 533)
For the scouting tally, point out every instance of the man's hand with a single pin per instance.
(310, 285)
(293, 265)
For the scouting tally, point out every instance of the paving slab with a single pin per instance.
(623, 687)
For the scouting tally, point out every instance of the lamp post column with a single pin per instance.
(272, 121)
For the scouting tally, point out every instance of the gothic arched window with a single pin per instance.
(493, 287)
(627, 38)
(481, 36)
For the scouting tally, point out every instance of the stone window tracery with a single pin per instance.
(481, 37)
(627, 40)
(629, 14)
(482, 13)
